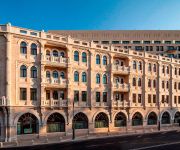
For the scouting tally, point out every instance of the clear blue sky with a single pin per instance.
(91, 14)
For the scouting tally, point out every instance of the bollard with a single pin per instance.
(1, 144)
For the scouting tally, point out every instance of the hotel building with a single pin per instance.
(51, 84)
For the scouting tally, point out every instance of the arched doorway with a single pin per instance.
(120, 120)
(152, 119)
(80, 121)
(101, 120)
(137, 119)
(165, 118)
(56, 123)
(27, 124)
(177, 117)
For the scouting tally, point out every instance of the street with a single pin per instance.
(154, 141)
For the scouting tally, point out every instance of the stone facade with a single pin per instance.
(47, 80)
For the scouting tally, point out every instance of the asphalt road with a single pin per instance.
(155, 141)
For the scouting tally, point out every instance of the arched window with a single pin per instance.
(27, 124)
(33, 49)
(55, 95)
(98, 59)
(149, 67)
(120, 120)
(80, 121)
(56, 123)
(84, 78)
(76, 56)
(154, 67)
(48, 75)
(134, 81)
(139, 82)
(62, 54)
(152, 119)
(104, 60)
(23, 71)
(47, 53)
(55, 74)
(33, 72)
(165, 118)
(139, 66)
(55, 53)
(177, 117)
(101, 121)
(104, 79)
(98, 78)
(62, 75)
(76, 76)
(84, 57)
(134, 64)
(137, 119)
(23, 48)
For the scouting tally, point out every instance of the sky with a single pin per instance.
(92, 14)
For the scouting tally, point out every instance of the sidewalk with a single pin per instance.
(66, 139)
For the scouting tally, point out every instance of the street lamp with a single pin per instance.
(73, 127)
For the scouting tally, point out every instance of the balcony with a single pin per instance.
(101, 104)
(55, 82)
(121, 87)
(120, 69)
(80, 104)
(55, 61)
(121, 103)
(55, 103)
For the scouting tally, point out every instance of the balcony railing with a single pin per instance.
(121, 87)
(121, 103)
(55, 103)
(56, 81)
(101, 104)
(53, 59)
(121, 69)
(3, 101)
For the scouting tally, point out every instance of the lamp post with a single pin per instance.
(73, 127)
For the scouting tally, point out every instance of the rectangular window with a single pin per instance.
(33, 94)
(139, 98)
(47, 94)
(115, 42)
(125, 42)
(104, 96)
(162, 99)
(149, 98)
(177, 42)
(162, 48)
(157, 48)
(76, 96)
(147, 42)
(151, 48)
(134, 98)
(23, 94)
(154, 98)
(105, 42)
(167, 99)
(167, 42)
(138, 48)
(178, 99)
(84, 96)
(157, 42)
(117, 96)
(62, 95)
(98, 97)
(136, 42)
(175, 99)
